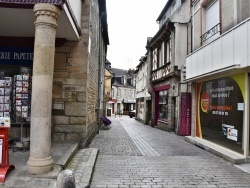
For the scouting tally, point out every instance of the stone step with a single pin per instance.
(219, 151)
(67, 156)
(82, 165)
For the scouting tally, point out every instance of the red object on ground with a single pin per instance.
(4, 154)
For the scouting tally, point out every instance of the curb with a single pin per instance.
(67, 157)
(82, 165)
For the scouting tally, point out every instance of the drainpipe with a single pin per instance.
(151, 85)
(99, 72)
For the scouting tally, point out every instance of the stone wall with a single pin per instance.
(75, 82)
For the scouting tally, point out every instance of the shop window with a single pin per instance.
(163, 104)
(15, 94)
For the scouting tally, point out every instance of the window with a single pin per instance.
(160, 56)
(155, 59)
(113, 92)
(167, 51)
(212, 22)
(119, 92)
(163, 104)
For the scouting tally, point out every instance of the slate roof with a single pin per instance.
(119, 72)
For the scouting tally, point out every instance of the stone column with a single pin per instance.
(40, 161)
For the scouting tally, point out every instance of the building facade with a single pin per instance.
(218, 74)
(167, 53)
(123, 92)
(62, 45)
(143, 98)
(108, 88)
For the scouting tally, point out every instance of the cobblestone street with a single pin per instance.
(136, 155)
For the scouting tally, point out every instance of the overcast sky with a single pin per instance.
(130, 22)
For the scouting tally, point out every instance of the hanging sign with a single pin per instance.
(16, 56)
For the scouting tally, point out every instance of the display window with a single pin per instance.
(15, 94)
(220, 108)
(163, 105)
(15, 83)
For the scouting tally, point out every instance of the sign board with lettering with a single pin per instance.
(4, 122)
(185, 114)
(16, 56)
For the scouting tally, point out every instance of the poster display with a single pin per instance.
(185, 114)
(220, 108)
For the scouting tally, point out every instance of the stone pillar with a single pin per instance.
(40, 161)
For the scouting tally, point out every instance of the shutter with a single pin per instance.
(212, 19)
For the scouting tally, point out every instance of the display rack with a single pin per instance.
(5, 93)
(21, 97)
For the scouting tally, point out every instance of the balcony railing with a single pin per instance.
(194, 2)
(210, 33)
(161, 72)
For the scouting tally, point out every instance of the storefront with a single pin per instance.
(15, 86)
(128, 104)
(111, 107)
(220, 111)
(161, 103)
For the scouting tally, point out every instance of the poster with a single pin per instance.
(1, 150)
(4, 121)
(220, 108)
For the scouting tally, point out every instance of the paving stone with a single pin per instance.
(138, 155)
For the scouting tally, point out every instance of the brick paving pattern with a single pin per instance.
(169, 161)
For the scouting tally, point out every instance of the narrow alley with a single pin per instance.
(132, 154)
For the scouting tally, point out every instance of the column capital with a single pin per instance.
(46, 14)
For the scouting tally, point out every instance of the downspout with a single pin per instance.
(99, 72)
(151, 85)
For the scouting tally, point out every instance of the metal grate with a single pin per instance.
(194, 2)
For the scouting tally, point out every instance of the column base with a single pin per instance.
(39, 166)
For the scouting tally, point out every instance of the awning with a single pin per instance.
(129, 101)
(112, 101)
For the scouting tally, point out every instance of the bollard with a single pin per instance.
(66, 179)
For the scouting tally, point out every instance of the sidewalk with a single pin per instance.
(65, 156)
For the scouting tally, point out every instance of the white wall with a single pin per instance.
(228, 51)
(76, 6)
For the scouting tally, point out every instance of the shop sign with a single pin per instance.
(129, 101)
(16, 56)
(4, 122)
(1, 149)
(185, 114)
